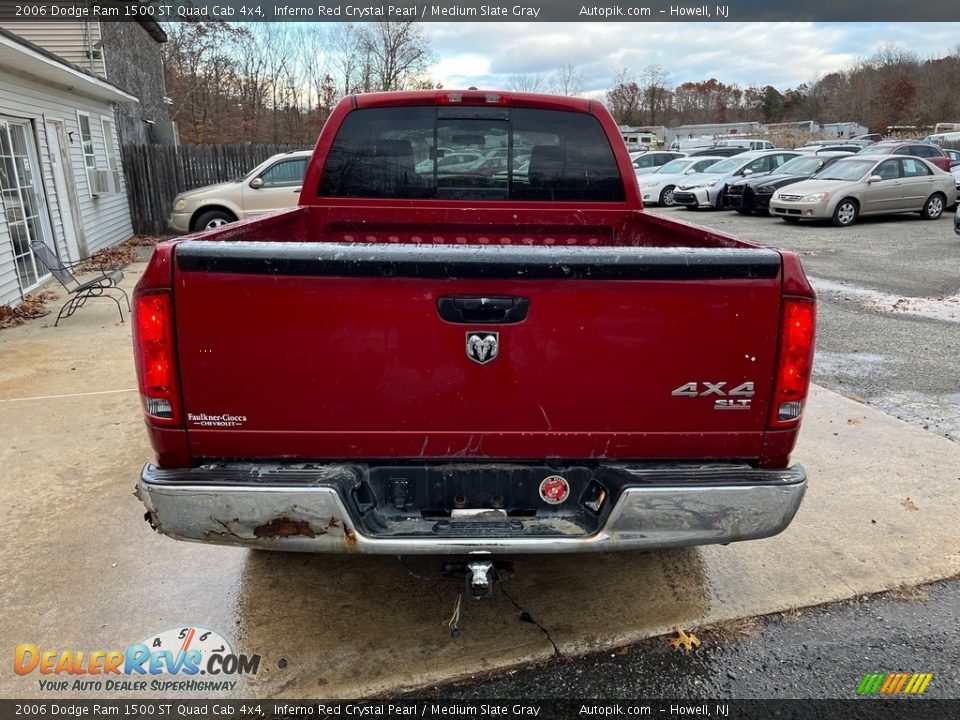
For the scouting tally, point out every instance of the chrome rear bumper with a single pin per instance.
(301, 508)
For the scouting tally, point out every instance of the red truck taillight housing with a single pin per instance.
(155, 354)
(797, 329)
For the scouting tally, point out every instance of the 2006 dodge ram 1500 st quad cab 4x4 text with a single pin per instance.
(469, 339)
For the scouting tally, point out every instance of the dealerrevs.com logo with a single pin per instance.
(181, 659)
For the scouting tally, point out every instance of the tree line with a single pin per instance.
(892, 87)
(278, 83)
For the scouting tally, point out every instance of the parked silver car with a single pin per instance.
(272, 185)
(658, 186)
(649, 161)
(867, 185)
(706, 188)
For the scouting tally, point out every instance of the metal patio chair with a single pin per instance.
(104, 285)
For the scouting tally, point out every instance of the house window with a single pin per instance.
(100, 181)
(86, 137)
(21, 199)
(112, 162)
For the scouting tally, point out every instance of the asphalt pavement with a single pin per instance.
(817, 653)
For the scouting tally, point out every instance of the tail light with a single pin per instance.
(155, 356)
(797, 323)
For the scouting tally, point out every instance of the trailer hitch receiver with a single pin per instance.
(479, 579)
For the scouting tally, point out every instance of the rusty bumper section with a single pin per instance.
(304, 508)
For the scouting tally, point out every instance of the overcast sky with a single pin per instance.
(487, 55)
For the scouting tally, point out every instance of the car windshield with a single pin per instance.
(876, 150)
(801, 166)
(724, 166)
(846, 170)
(675, 166)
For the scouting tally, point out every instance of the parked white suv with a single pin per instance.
(272, 185)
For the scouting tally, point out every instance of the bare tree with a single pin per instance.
(568, 80)
(278, 82)
(346, 57)
(397, 54)
(891, 54)
(624, 98)
(526, 82)
(199, 60)
(654, 92)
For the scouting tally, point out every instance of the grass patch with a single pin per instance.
(730, 630)
(907, 593)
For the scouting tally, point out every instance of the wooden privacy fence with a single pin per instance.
(155, 174)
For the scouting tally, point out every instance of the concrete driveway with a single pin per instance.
(83, 571)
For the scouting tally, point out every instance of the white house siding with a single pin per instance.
(105, 219)
(69, 40)
(9, 285)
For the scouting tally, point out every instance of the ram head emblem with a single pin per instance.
(482, 347)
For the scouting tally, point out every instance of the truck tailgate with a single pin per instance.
(338, 350)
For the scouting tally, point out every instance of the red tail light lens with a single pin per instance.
(798, 322)
(154, 352)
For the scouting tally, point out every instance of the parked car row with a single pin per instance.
(753, 193)
(820, 184)
(708, 187)
(723, 176)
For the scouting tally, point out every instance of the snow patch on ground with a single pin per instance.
(945, 307)
(852, 365)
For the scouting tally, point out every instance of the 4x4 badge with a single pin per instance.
(483, 346)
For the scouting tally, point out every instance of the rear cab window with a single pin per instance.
(474, 153)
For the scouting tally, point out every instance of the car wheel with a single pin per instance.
(666, 196)
(721, 199)
(933, 207)
(212, 219)
(845, 213)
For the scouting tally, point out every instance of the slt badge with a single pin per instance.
(483, 346)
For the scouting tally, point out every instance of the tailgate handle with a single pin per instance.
(478, 309)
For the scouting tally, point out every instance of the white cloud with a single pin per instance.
(780, 54)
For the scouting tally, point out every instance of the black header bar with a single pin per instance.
(480, 11)
(502, 709)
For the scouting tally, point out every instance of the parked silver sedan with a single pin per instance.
(706, 188)
(867, 185)
(658, 186)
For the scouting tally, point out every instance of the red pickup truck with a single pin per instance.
(502, 353)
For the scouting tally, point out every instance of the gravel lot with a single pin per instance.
(889, 313)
